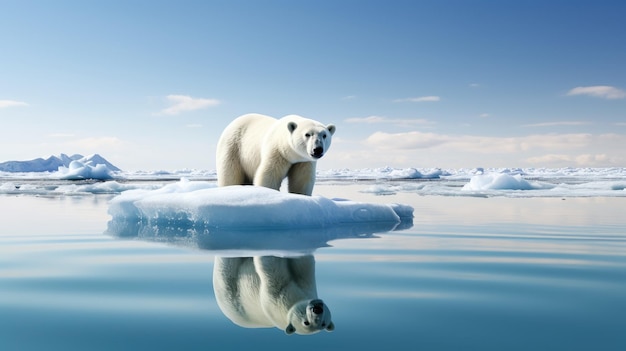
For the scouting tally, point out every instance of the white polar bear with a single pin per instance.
(261, 150)
(268, 291)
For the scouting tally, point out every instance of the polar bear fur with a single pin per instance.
(261, 150)
(268, 291)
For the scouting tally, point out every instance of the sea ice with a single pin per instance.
(191, 208)
(247, 207)
(503, 181)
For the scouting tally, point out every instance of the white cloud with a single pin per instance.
(550, 159)
(419, 99)
(478, 144)
(183, 103)
(379, 119)
(349, 97)
(484, 115)
(591, 160)
(11, 103)
(600, 91)
(420, 149)
(554, 124)
(583, 160)
(61, 135)
(407, 140)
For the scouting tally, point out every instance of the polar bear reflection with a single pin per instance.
(268, 291)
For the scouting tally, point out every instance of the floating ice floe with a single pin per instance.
(244, 216)
(502, 181)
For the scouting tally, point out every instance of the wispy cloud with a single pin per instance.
(557, 124)
(419, 99)
(407, 140)
(184, 103)
(11, 103)
(412, 148)
(479, 144)
(61, 135)
(587, 160)
(599, 91)
(397, 121)
(349, 97)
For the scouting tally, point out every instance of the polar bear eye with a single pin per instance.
(306, 323)
(324, 136)
(307, 135)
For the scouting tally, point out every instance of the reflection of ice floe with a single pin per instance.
(247, 217)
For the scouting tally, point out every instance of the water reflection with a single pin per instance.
(261, 278)
(270, 291)
(242, 242)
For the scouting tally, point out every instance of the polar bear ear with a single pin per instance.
(290, 329)
(331, 128)
(330, 327)
(292, 126)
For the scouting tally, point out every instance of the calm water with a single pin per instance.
(471, 273)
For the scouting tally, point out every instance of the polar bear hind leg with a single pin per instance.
(230, 170)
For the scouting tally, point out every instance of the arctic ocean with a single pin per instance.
(432, 259)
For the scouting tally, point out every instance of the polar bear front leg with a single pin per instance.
(302, 178)
(271, 173)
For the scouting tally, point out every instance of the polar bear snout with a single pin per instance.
(317, 306)
(318, 152)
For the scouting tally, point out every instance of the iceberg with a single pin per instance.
(53, 163)
(77, 170)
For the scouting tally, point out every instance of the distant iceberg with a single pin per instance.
(52, 163)
(65, 167)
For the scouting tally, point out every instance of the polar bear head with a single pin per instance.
(310, 139)
(308, 317)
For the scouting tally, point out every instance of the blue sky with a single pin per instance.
(151, 84)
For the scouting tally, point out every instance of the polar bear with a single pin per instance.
(268, 291)
(261, 150)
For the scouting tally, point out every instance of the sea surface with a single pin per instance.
(470, 273)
